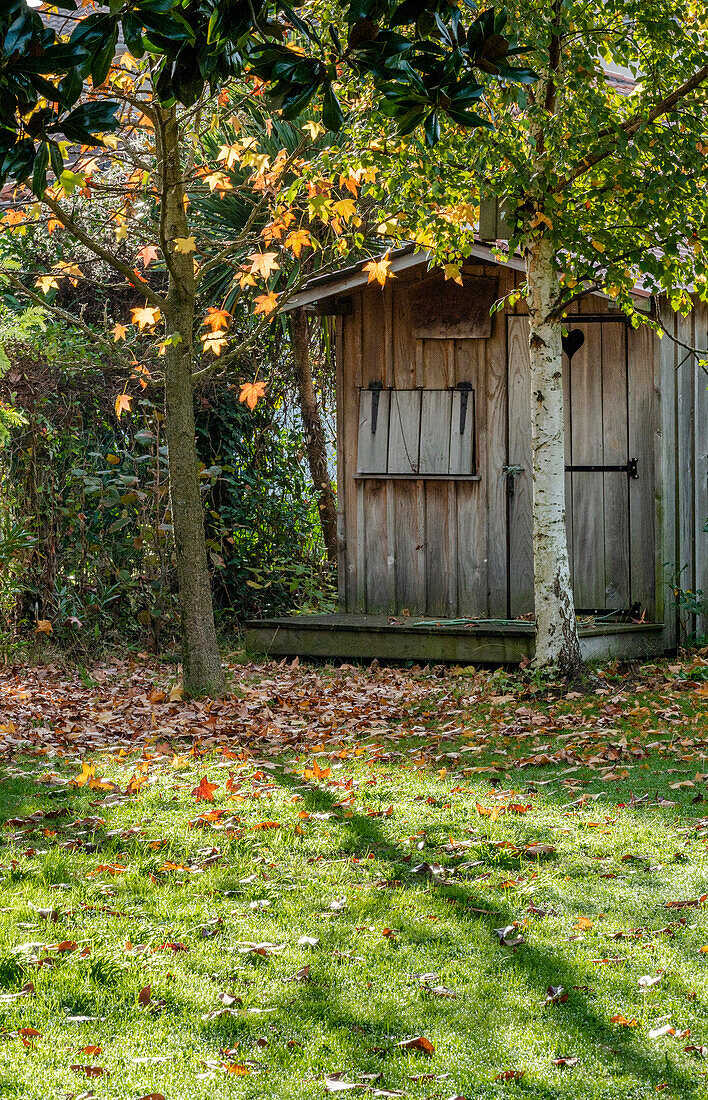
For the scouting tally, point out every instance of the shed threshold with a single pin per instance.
(467, 641)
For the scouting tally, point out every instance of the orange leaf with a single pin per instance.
(251, 392)
(122, 403)
(379, 270)
(419, 1043)
(623, 1021)
(267, 825)
(204, 792)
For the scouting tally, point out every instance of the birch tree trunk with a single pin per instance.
(201, 662)
(557, 644)
(314, 433)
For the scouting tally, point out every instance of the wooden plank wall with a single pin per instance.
(682, 456)
(463, 548)
(433, 547)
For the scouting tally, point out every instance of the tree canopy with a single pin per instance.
(423, 57)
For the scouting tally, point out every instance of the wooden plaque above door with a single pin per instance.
(447, 311)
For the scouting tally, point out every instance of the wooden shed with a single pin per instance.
(433, 470)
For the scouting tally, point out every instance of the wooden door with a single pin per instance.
(609, 490)
(598, 464)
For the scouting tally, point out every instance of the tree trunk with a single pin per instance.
(201, 662)
(557, 644)
(314, 433)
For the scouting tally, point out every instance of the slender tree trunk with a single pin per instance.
(557, 645)
(314, 432)
(201, 662)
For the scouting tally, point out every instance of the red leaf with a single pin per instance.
(205, 791)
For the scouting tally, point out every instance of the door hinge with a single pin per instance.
(376, 388)
(630, 468)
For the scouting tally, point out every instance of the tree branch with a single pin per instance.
(103, 253)
(637, 122)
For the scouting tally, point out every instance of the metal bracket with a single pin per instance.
(376, 388)
(465, 389)
(630, 469)
(511, 472)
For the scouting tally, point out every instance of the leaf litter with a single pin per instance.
(434, 761)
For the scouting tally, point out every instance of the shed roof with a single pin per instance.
(322, 287)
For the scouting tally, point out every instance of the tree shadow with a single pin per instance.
(539, 967)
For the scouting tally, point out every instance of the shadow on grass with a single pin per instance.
(21, 796)
(541, 968)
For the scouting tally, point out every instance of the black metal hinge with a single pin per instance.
(465, 389)
(630, 468)
(375, 388)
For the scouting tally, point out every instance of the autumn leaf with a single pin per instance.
(145, 316)
(46, 283)
(214, 342)
(251, 392)
(148, 254)
(452, 271)
(204, 791)
(122, 403)
(184, 245)
(378, 270)
(230, 154)
(314, 129)
(119, 332)
(266, 303)
(297, 240)
(346, 209)
(263, 264)
(216, 319)
(43, 626)
(418, 1043)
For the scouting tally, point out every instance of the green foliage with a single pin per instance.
(85, 524)
(690, 604)
(419, 54)
(263, 532)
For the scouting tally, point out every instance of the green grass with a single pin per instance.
(407, 772)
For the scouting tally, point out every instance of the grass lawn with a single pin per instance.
(272, 896)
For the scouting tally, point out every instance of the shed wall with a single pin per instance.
(463, 547)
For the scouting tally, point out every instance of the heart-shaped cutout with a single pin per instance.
(572, 342)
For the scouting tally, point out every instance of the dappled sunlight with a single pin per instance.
(455, 887)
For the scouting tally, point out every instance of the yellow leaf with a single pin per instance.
(251, 392)
(599, 246)
(230, 154)
(452, 271)
(314, 129)
(87, 772)
(540, 218)
(346, 208)
(46, 283)
(379, 270)
(387, 227)
(119, 332)
(122, 403)
(583, 924)
(214, 341)
(185, 245)
(145, 316)
(43, 627)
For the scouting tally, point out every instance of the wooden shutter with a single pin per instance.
(372, 451)
(414, 432)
